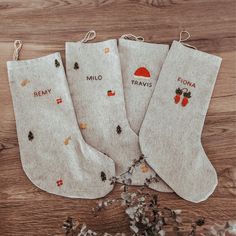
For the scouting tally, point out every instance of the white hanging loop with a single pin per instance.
(132, 37)
(89, 36)
(17, 48)
(182, 39)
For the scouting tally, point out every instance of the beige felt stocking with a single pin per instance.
(94, 75)
(53, 153)
(170, 135)
(141, 64)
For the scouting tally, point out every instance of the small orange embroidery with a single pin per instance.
(59, 100)
(24, 82)
(66, 141)
(83, 125)
(59, 182)
(144, 168)
(106, 50)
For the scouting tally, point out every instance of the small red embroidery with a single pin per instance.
(59, 182)
(111, 93)
(142, 73)
(187, 95)
(59, 100)
(178, 92)
(39, 93)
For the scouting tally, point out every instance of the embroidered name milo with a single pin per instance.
(94, 77)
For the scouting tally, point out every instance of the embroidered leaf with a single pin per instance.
(57, 63)
(178, 91)
(103, 176)
(187, 94)
(30, 136)
(76, 66)
(118, 129)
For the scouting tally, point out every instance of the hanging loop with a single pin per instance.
(17, 48)
(183, 39)
(181, 35)
(132, 37)
(89, 36)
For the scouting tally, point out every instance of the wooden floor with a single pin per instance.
(44, 26)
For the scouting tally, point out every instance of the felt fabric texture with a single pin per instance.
(141, 64)
(95, 81)
(53, 153)
(170, 135)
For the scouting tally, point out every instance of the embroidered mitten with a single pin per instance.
(170, 135)
(94, 76)
(53, 153)
(141, 64)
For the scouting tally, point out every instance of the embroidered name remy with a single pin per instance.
(40, 93)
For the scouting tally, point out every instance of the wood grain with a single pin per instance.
(44, 26)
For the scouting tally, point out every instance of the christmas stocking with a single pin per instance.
(170, 135)
(95, 81)
(140, 64)
(53, 153)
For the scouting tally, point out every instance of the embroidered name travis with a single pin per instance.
(141, 83)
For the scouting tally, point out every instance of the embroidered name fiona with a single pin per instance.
(40, 93)
(186, 82)
(141, 83)
(92, 77)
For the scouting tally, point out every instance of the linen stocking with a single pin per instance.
(170, 135)
(53, 153)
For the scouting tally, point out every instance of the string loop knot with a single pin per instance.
(89, 36)
(17, 48)
(182, 39)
